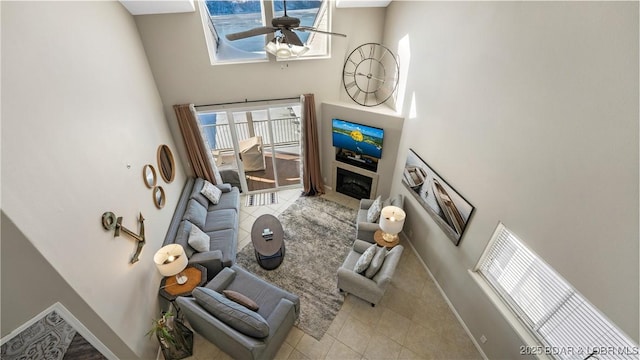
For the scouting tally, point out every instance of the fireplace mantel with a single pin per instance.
(374, 176)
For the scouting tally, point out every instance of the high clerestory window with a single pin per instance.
(564, 325)
(230, 16)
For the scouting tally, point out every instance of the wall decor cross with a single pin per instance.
(111, 222)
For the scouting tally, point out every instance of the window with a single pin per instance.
(560, 318)
(221, 17)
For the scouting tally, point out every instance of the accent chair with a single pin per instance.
(369, 289)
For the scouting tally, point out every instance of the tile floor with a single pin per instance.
(412, 321)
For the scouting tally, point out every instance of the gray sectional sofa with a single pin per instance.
(220, 222)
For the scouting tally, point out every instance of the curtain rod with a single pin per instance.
(247, 101)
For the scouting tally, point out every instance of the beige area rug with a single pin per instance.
(318, 234)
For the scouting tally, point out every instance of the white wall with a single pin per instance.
(530, 111)
(79, 105)
(176, 48)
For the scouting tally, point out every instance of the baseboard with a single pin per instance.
(453, 309)
(71, 320)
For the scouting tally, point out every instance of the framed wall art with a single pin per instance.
(447, 207)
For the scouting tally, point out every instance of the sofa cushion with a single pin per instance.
(231, 313)
(393, 201)
(228, 200)
(226, 241)
(224, 187)
(220, 220)
(376, 262)
(198, 239)
(182, 237)
(241, 299)
(196, 192)
(362, 216)
(196, 213)
(365, 259)
(211, 192)
(374, 211)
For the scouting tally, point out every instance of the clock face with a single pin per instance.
(370, 74)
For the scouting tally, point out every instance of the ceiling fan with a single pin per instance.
(285, 24)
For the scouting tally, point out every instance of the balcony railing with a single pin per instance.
(286, 131)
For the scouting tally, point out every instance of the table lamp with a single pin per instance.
(171, 260)
(391, 222)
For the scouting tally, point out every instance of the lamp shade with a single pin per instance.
(391, 221)
(171, 259)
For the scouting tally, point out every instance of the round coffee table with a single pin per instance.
(267, 237)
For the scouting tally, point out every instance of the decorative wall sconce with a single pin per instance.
(111, 222)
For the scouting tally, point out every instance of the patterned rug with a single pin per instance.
(267, 198)
(318, 234)
(49, 338)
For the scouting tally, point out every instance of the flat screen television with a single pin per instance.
(361, 139)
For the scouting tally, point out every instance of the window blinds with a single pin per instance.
(565, 323)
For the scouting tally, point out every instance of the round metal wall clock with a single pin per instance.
(370, 74)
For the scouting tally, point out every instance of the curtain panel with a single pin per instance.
(199, 156)
(311, 177)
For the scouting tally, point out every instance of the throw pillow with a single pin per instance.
(365, 259)
(376, 262)
(231, 313)
(211, 192)
(241, 299)
(198, 239)
(374, 211)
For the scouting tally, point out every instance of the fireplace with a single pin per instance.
(355, 185)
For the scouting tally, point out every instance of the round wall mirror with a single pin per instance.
(149, 176)
(166, 164)
(158, 197)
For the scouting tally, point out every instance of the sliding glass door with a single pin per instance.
(255, 148)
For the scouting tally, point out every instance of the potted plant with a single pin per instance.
(176, 340)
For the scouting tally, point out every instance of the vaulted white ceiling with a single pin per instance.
(361, 3)
(148, 7)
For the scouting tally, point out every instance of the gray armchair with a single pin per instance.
(361, 286)
(365, 229)
(277, 307)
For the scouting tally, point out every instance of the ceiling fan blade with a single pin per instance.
(306, 28)
(291, 37)
(249, 33)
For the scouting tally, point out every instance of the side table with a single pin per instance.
(170, 289)
(377, 236)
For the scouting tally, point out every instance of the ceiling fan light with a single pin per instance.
(271, 47)
(280, 49)
(298, 50)
(283, 51)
